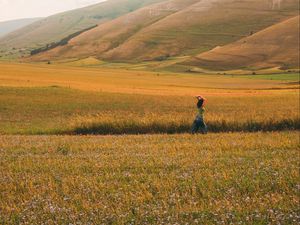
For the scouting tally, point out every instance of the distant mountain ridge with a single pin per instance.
(9, 26)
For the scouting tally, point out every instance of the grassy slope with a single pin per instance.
(57, 27)
(12, 25)
(220, 179)
(112, 34)
(197, 28)
(274, 46)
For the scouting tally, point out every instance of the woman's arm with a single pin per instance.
(199, 97)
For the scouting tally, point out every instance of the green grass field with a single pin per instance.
(53, 171)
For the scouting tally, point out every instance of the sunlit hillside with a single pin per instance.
(276, 46)
(59, 26)
(174, 28)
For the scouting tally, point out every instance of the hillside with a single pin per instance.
(12, 25)
(174, 28)
(276, 46)
(59, 26)
(112, 34)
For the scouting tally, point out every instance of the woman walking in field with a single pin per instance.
(199, 123)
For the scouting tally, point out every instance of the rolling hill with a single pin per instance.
(110, 35)
(174, 28)
(12, 25)
(275, 46)
(59, 26)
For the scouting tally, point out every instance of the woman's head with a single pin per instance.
(200, 103)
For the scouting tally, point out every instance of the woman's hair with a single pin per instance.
(200, 103)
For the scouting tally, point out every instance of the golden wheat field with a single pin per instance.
(112, 146)
(56, 99)
(133, 82)
(237, 178)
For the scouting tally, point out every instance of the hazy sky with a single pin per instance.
(16, 9)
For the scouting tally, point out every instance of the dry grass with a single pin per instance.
(59, 99)
(55, 28)
(165, 179)
(137, 82)
(269, 48)
(173, 28)
(238, 178)
(58, 110)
